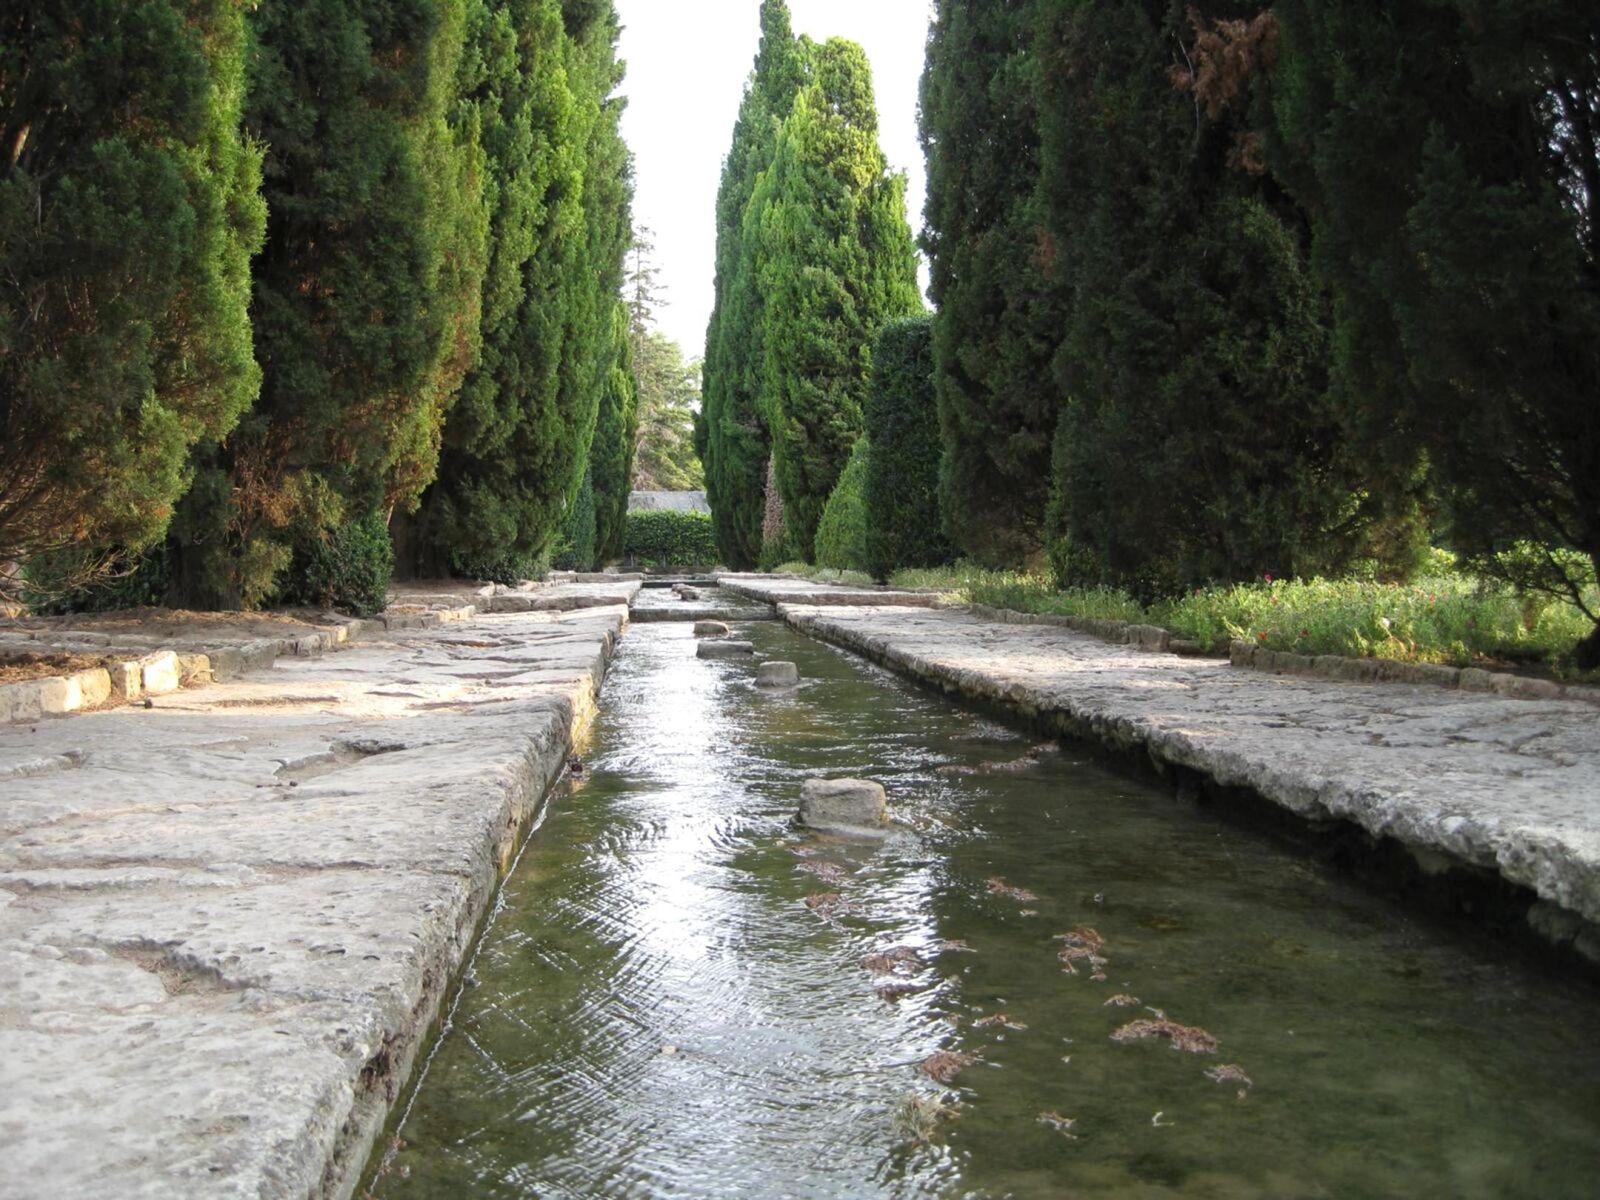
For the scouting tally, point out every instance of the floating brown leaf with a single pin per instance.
(826, 871)
(998, 1019)
(1056, 1121)
(1229, 1073)
(999, 887)
(944, 1065)
(953, 946)
(886, 961)
(1122, 1000)
(1190, 1038)
(897, 991)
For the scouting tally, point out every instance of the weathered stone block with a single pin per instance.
(58, 695)
(20, 702)
(1475, 679)
(777, 675)
(723, 648)
(94, 687)
(1241, 654)
(1148, 637)
(843, 806)
(194, 669)
(161, 673)
(127, 680)
(710, 629)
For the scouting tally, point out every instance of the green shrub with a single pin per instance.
(508, 568)
(670, 538)
(904, 528)
(842, 531)
(348, 568)
(122, 579)
(575, 549)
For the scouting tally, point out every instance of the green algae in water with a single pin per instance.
(672, 1001)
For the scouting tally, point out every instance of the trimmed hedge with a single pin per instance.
(670, 538)
(842, 531)
(902, 476)
(576, 545)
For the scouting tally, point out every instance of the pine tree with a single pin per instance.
(1449, 156)
(833, 260)
(366, 293)
(730, 434)
(998, 310)
(669, 391)
(129, 208)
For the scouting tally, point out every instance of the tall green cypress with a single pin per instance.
(366, 294)
(730, 433)
(129, 208)
(1448, 154)
(1197, 441)
(833, 261)
(615, 432)
(902, 420)
(998, 308)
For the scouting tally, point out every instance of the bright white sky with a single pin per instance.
(687, 65)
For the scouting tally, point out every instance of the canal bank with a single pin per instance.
(227, 920)
(1479, 782)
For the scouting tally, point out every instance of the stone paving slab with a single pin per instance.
(783, 589)
(1507, 784)
(226, 922)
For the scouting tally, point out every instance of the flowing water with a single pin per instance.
(671, 1000)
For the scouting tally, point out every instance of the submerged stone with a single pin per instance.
(777, 675)
(721, 648)
(713, 629)
(843, 806)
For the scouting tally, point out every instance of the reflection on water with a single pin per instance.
(672, 999)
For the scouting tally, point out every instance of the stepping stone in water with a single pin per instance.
(777, 675)
(724, 649)
(710, 629)
(843, 806)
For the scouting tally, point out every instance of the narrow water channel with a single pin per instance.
(671, 1000)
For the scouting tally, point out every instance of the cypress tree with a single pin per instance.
(1197, 441)
(129, 208)
(998, 310)
(902, 419)
(833, 260)
(611, 456)
(366, 294)
(730, 433)
(1449, 156)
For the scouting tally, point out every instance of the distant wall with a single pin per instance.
(677, 501)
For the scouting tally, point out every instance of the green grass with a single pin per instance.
(824, 574)
(1445, 618)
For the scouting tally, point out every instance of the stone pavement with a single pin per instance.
(1512, 785)
(227, 921)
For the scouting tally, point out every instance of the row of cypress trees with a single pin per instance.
(814, 256)
(280, 275)
(1226, 291)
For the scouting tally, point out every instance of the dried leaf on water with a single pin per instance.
(1056, 1121)
(885, 962)
(943, 1066)
(826, 871)
(1083, 945)
(897, 991)
(1122, 1000)
(1190, 1038)
(920, 1115)
(1003, 1019)
(828, 905)
(999, 887)
(953, 946)
(1229, 1073)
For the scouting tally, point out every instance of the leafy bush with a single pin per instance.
(122, 579)
(508, 568)
(670, 538)
(347, 569)
(902, 486)
(575, 550)
(842, 531)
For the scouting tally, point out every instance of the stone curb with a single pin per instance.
(1386, 670)
(156, 673)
